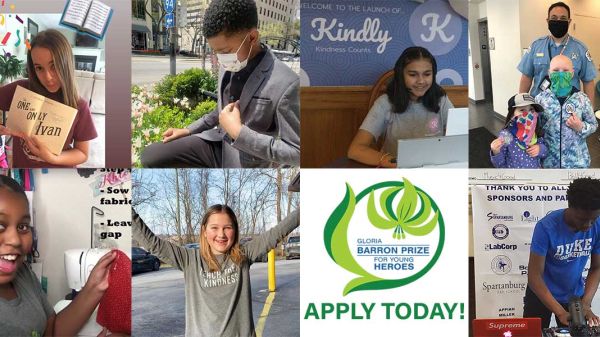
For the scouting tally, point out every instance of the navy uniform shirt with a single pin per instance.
(536, 61)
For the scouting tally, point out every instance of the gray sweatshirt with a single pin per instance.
(217, 303)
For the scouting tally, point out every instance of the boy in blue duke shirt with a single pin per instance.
(561, 244)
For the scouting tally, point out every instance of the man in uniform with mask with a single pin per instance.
(257, 119)
(567, 119)
(534, 64)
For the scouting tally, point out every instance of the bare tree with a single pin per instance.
(143, 189)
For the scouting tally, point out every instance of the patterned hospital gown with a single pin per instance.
(567, 148)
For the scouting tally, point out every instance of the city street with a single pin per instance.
(158, 307)
(150, 69)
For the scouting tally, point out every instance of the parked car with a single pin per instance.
(292, 247)
(142, 260)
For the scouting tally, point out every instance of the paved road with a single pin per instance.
(159, 303)
(150, 69)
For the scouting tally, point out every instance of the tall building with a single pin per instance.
(277, 13)
(191, 38)
(141, 28)
(275, 17)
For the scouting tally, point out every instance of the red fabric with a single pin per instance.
(114, 312)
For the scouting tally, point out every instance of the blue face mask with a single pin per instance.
(561, 83)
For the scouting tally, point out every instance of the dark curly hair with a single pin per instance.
(229, 16)
(11, 185)
(398, 93)
(584, 193)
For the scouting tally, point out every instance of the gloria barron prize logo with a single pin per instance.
(386, 236)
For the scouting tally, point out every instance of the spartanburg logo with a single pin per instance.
(388, 235)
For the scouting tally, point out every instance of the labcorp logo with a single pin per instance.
(499, 246)
(388, 235)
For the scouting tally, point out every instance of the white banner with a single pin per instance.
(504, 217)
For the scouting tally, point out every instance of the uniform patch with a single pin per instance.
(588, 56)
(574, 56)
(539, 54)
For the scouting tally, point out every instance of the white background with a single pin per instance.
(323, 280)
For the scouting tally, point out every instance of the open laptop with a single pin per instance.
(448, 151)
(507, 327)
(457, 122)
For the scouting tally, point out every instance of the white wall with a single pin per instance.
(504, 27)
(475, 75)
(62, 207)
(44, 21)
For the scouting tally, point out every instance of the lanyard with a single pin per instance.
(563, 48)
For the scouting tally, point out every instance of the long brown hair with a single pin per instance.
(235, 253)
(64, 63)
(398, 94)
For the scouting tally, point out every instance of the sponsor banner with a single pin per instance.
(504, 217)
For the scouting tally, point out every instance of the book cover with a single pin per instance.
(35, 115)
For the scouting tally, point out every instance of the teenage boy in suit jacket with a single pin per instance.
(257, 117)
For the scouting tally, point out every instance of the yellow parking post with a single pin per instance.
(271, 258)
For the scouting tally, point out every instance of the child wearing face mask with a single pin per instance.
(567, 119)
(51, 71)
(519, 144)
(217, 279)
(257, 119)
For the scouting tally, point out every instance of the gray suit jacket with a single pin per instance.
(270, 113)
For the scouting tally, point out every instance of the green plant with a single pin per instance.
(148, 126)
(10, 67)
(187, 86)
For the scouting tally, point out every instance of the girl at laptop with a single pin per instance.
(519, 144)
(414, 106)
(51, 70)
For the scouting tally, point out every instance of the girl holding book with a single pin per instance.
(51, 72)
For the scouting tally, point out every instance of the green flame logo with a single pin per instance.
(406, 219)
(413, 216)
